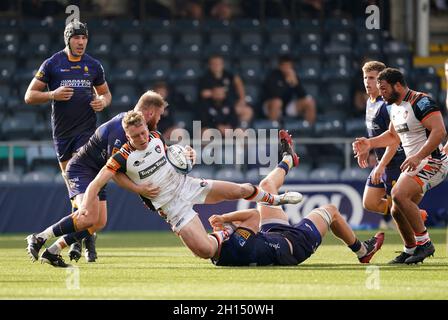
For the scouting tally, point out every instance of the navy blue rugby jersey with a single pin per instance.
(377, 122)
(75, 116)
(107, 139)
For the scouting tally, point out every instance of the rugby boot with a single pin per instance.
(287, 146)
(400, 259)
(372, 245)
(421, 253)
(289, 198)
(34, 244)
(90, 248)
(75, 251)
(53, 259)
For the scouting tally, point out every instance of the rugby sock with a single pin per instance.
(284, 165)
(65, 226)
(259, 195)
(57, 247)
(46, 234)
(76, 236)
(409, 250)
(358, 248)
(422, 238)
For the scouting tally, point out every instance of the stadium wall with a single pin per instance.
(32, 207)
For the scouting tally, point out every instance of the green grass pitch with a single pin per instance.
(155, 265)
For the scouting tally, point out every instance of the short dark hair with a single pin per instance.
(392, 76)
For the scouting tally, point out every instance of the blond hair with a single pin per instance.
(150, 99)
(133, 118)
(373, 66)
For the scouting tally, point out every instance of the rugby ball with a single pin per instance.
(176, 157)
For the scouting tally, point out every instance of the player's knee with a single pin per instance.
(370, 205)
(333, 211)
(245, 190)
(397, 197)
(267, 185)
(204, 252)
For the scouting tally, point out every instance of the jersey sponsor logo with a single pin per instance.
(117, 143)
(75, 67)
(64, 70)
(244, 233)
(402, 128)
(39, 74)
(76, 83)
(158, 149)
(153, 168)
(423, 103)
(147, 154)
(138, 163)
(179, 222)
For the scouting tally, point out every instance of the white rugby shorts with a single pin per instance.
(179, 210)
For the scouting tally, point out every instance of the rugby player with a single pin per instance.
(83, 168)
(263, 236)
(75, 84)
(417, 123)
(376, 197)
(143, 160)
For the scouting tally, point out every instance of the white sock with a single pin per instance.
(362, 251)
(55, 248)
(409, 250)
(46, 234)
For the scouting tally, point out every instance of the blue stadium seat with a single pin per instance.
(277, 49)
(297, 175)
(325, 175)
(58, 179)
(125, 71)
(19, 126)
(37, 177)
(188, 89)
(9, 178)
(308, 73)
(191, 37)
(187, 50)
(220, 38)
(266, 124)
(307, 25)
(354, 174)
(130, 44)
(252, 94)
(125, 97)
(253, 176)
(307, 38)
(200, 171)
(339, 24)
(248, 51)
(355, 128)
(157, 50)
(230, 174)
(300, 128)
(224, 50)
(329, 128)
(100, 44)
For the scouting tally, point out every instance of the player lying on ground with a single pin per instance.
(265, 237)
(143, 160)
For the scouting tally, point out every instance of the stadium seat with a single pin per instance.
(252, 94)
(224, 50)
(188, 89)
(58, 179)
(354, 174)
(19, 126)
(253, 176)
(220, 38)
(299, 128)
(297, 175)
(355, 128)
(248, 50)
(329, 128)
(100, 44)
(266, 124)
(230, 174)
(130, 44)
(339, 24)
(187, 50)
(37, 177)
(125, 71)
(307, 38)
(9, 178)
(327, 175)
(125, 97)
(200, 171)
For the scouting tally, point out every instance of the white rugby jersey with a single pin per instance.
(407, 120)
(149, 166)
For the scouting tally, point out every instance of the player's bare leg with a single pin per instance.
(404, 195)
(328, 217)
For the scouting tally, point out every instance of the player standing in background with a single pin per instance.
(75, 85)
(83, 168)
(417, 122)
(379, 184)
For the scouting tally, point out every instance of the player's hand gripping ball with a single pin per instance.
(176, 156)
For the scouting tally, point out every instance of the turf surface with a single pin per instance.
(155, 265)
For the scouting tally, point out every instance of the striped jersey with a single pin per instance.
(377, 122)
(407, 120)
(149, 166)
